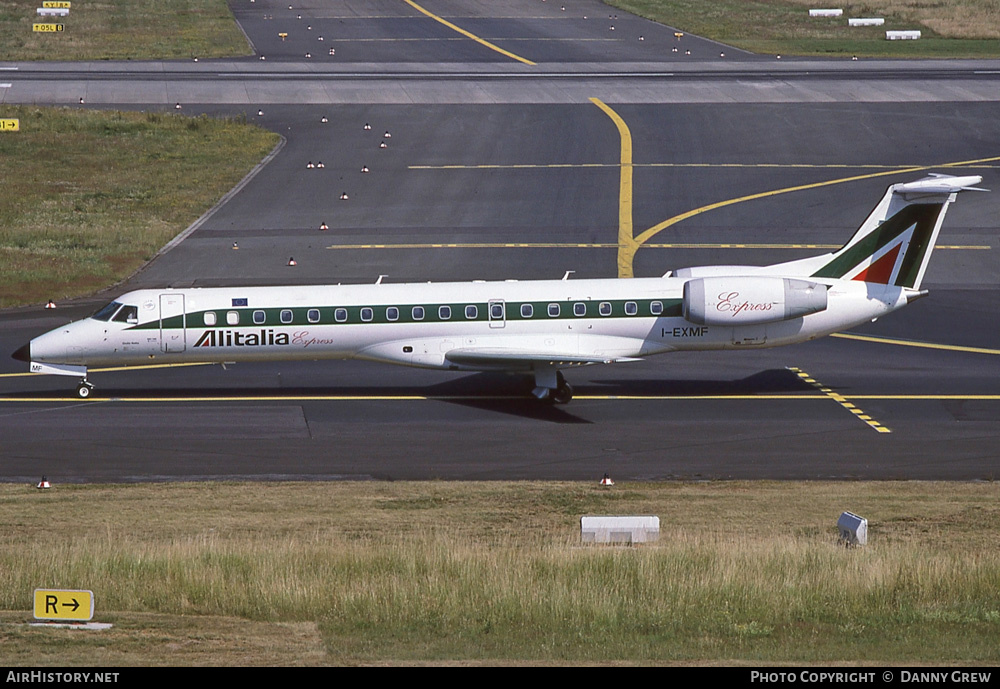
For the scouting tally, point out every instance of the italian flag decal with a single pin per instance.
(891, 253)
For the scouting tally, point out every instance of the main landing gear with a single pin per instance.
(551, 386)
(84, 389)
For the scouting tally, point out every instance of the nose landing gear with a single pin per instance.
(84, 389)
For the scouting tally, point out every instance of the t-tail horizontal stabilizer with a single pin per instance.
(893, 246)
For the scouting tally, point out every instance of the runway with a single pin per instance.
(500, 169)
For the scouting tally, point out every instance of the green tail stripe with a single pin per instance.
(924, 215)
(919, 246)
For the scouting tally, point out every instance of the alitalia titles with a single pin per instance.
(239, 338)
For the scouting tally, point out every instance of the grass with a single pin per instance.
(89, 196)
(957, 28)
(122, 30)
(345, 573)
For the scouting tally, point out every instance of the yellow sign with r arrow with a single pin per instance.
(64, 604)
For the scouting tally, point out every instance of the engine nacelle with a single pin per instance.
(710, 271)
(749, 299)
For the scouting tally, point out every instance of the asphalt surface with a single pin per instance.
(516, 170)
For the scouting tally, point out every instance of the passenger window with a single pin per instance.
(444, 313)
(471, 312)
(209, 318)
(340, 315)
(286, 315)
(367, 314)
(630, 308)
(553, 310)
(392, 313)
(496, 312)
(605, 308)
(259, 317)
(233, 317)
(417, 313)
(527, 311)
(312, 315)
(579, 309)
(656, 308)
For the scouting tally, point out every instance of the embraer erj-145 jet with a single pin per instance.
(533, 327)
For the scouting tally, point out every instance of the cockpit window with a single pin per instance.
(107, 312)
(127, 314)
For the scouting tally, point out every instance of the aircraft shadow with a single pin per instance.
(488, 391)
(771, 381)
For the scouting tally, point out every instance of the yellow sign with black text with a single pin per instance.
(56, 4)
(64, 604)
(47, 28)
(10, 124)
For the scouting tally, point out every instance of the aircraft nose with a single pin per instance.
(23, 353)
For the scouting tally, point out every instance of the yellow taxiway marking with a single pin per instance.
(462, 31)
(916, 343)
(656, 229)
(842, 400)
(626, 242)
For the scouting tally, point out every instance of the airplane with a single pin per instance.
(537, 327)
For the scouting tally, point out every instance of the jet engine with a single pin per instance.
(750, 299)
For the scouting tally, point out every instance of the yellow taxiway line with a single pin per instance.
(842, 400)
(626, 242)
(465, 33)
(916, 343)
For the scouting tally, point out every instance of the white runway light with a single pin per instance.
(291, 262)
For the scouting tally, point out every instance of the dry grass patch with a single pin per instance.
(473, 572)
(89, 196)
(958, 28)
(122, 30)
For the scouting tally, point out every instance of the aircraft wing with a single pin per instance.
(502, 357)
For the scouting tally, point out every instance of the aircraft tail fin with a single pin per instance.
(893, 246)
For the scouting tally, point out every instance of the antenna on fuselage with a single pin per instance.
(379, 281)
(568, 273)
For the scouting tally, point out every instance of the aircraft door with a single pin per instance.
(497, 313)
(173, 323)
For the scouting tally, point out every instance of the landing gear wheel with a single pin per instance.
(563, 394)
(84, 389)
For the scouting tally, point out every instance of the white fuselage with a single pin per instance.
(512, 325)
